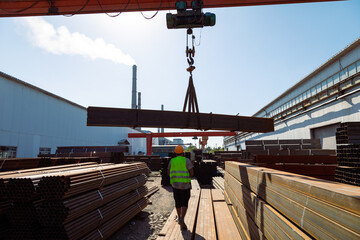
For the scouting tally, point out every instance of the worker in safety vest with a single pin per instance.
(180, 170)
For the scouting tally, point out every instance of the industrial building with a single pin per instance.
(34, 121)
(316, 105)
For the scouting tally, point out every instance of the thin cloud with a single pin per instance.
(62, 41)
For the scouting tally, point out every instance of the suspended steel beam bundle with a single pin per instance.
(65, 211)
(121, 117)
(67, 184)
(65, 7)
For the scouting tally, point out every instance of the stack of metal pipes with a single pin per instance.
(74, 201)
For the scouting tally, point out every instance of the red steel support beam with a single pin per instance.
(148, 144)
(17, 8)
(149, 136)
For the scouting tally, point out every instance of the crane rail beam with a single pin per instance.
(18, 8)
(121, 117)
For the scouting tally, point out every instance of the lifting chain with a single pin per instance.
(190, 52)
(190, 100)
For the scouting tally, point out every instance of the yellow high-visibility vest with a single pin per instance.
(178, 170)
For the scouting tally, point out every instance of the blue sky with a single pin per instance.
(251, 55)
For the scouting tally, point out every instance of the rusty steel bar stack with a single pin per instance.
(72, 202)
(18, 189)
(10, 164)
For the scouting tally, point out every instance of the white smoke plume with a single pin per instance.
(62, 41)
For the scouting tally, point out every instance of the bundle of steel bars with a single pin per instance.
(10, 164)
(154, 162)
(348, 153)
(69, 202)
(272, 204)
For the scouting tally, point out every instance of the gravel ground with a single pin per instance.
(148, 223)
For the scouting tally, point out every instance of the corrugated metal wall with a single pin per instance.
(30, 118)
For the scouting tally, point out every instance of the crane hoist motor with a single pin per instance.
(193, 18)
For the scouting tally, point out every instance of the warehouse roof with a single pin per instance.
(11, 78)
(335, 58)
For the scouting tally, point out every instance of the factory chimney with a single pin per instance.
(139, 100)
(133, 95)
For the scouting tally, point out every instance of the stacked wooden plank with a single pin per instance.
(264, 200)
(348, 152)
(218, 183)
(71, 202)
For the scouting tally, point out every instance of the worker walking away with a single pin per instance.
(180, 170)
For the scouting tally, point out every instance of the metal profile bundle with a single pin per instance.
(46, 161)
(264, 200)
(20, 192)
(348, 153)
(165, 179)
(348, 133)
(206, 170)
(67, 184)
(282, 144)
(91, 220)
(20, 186)
(111, 226)
(154, 162)
(61, 212)
(68, 198)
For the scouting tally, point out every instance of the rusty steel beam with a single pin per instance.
(121, 117)
(65, 7)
